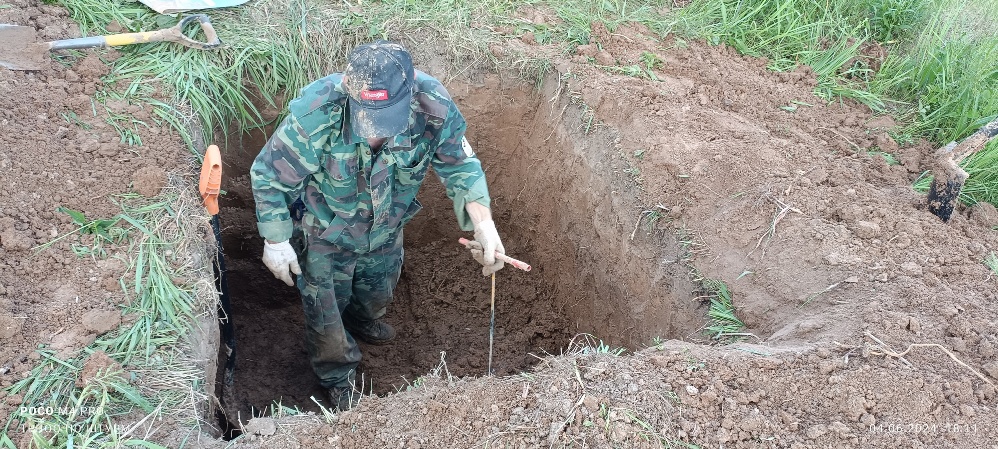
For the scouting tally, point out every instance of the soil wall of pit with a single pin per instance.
(564, 197)
(562, 200)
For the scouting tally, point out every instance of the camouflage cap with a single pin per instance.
(379, 80)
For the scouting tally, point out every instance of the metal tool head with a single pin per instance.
(20, 49)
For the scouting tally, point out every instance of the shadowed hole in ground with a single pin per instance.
(562, 201)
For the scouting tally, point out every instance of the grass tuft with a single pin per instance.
(586, 344)
(723, 325)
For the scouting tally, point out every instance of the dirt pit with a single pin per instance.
(553, 211)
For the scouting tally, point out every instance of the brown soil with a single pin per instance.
(853, 248)
(55, 152)
(825, 248)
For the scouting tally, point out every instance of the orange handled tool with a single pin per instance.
(210, 184)
(516, 263)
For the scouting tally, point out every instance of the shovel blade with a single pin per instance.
(20, 50)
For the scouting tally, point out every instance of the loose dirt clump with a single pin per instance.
(98, 363)
(149, 181)
(101, 321)
(11, 238)
(9, 326)
(984, 215)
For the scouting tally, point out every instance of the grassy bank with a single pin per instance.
(939, 77)
(274, 48)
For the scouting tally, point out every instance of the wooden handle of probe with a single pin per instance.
(515, 263)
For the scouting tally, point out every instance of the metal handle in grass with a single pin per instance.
(516, 263)
(949, 176)
(172, 34)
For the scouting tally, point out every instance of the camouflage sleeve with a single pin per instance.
(459, 169)
(278, 174)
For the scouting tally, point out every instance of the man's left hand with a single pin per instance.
(485, 247)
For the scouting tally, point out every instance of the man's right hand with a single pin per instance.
(486, 245)
(280, 258)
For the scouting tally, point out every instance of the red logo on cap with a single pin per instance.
(374, 95)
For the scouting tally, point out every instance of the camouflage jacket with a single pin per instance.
(353, 198)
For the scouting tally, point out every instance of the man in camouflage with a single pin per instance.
(340, 175)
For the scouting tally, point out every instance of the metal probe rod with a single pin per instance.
(492, 322)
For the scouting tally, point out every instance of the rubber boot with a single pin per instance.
(344, 398)
(375, 332)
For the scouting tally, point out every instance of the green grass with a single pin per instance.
(82, 417)
(945, 80)
(940, 75)
(888, 157)
(723, 325)
(586, 344)
(101, 230)
(271, 51)
(274, 48)
(267, 53)
(992, 262)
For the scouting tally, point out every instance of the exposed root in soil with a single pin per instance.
(881, 348)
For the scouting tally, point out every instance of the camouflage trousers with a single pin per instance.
(337, 284)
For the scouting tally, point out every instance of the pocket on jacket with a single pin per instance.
(413, 175)
(342, 168)
(341, 178)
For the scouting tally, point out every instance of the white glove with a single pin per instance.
(281, 258)
(485, 247)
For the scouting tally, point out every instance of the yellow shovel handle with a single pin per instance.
(117, 40)
(172, 34)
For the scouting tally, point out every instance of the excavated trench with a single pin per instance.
(562, 201)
